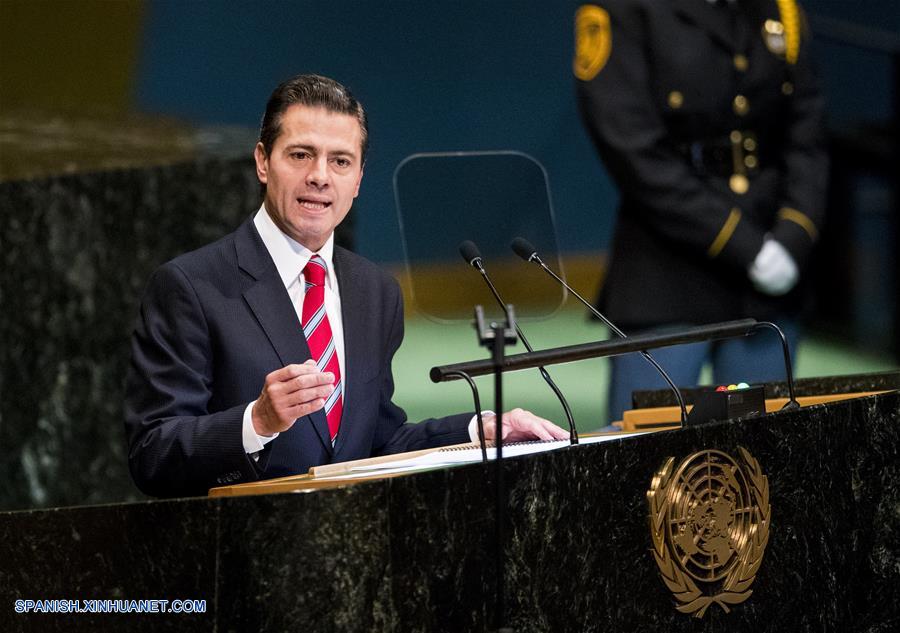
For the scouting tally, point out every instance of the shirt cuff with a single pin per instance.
(253, 441)
(473, 426)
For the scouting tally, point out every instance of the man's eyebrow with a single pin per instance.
(314, 150)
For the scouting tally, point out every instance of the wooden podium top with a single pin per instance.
(656, 418)
(396, 465)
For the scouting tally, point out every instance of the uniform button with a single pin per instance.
(750, 162)
(735, 136)
(787, 88)
(739, 183)
(741, 105)
(773, 27)
(676, 99)
(749, 144)
(740, 62)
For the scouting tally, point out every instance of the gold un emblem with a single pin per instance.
(709, 524)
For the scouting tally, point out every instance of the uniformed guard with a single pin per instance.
(708, 116)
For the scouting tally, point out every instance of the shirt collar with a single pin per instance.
(289, 255)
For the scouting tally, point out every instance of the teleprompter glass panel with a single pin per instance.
(489, 198)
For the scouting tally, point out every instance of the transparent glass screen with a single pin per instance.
(488, 198)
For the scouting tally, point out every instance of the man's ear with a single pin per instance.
(262, 163)
(358, 182)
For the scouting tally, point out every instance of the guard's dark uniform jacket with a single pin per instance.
(709, 118)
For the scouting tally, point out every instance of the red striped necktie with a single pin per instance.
(318, 335)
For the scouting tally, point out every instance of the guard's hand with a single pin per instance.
(290, 393)
(773, 272)
(519, 425)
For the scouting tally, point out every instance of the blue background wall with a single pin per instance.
(434, 76)
(465, 75)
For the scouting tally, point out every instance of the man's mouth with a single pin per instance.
(313, 205)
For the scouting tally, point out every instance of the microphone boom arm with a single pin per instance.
(621, 334)
(470, 253)
(601, 349)
(526, 251)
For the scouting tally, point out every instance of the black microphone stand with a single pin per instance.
(470, 253)
(497, 336)
(788, 366)
(584, 351)
(478, 417)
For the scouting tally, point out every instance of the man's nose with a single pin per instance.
(317, 175)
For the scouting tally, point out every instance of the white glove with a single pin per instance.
(773, 272)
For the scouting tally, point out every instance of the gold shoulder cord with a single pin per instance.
(790, 17)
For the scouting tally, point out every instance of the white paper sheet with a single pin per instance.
(451, 456)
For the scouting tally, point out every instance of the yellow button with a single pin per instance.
(741, 105)
(740, 62)
(739, 183)
(773, 27)
(676, 99)
(787, 88)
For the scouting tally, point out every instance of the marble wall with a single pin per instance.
(75, 253)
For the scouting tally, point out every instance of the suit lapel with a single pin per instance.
(352, 288)
(272, 307)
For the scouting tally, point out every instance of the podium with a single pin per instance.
(415, 552)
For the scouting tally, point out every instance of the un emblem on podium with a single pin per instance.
(709, 525)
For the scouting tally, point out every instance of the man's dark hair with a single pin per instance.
(312, 91)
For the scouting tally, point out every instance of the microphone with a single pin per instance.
(524, 249)
(472, 255)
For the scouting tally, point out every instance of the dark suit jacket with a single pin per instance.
(213, 323)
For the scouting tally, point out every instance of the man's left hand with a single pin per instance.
(519, 425)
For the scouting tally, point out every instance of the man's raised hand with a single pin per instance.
(290, 393)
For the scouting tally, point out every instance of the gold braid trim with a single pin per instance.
(792, 215)
(725, 233)
(790, 17)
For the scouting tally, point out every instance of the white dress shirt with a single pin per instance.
(290, 259)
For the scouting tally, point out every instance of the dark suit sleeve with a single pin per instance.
(804, 165)
(623, 117)
(175, 445)
(394, 434)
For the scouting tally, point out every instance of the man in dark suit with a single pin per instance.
(269, 351)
